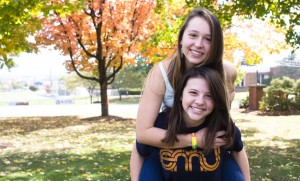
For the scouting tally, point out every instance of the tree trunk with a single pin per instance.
(120, 95)
(91, 99)
(104, 99)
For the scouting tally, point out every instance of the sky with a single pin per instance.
(47, 63)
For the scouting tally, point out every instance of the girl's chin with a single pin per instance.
(195, 61)
(195, 121)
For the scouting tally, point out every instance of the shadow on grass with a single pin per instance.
(51, 165)
(249, 132)
(273, 162)
(22, 126)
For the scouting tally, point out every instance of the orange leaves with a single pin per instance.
(103, 31)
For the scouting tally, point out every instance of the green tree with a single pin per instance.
(132, 76)
(20, 19)
(282, 13)
(17, 25)
(73, 81)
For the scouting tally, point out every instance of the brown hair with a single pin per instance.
(219, 119)
(177, 67)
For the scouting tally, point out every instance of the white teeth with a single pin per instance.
(197, 109)
(196, 53)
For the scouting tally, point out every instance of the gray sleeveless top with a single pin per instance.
(169, 94)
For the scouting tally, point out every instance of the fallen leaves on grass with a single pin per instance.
(65, 148)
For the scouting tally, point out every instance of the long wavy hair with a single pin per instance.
(177, 66)
(218, 119)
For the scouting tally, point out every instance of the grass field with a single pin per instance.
(67, 148)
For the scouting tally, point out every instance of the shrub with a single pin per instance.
(279, 95)
(244, 103)
(297, 94)
(33, 88)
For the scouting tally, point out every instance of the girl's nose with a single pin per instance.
(199, 42)
(199, 100)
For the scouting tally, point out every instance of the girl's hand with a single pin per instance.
(219, 141)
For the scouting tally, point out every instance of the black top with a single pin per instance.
(186, 163)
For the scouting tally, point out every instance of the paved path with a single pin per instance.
(83, 111)
(88, 110)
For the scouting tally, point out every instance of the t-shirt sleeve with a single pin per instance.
(237, 143)
(145, 150)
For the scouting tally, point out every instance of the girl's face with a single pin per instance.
(196, 41)
(197, 102)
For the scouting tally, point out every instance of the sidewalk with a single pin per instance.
(88, 110)
(83, 111)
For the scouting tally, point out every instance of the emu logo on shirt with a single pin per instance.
(169, 158)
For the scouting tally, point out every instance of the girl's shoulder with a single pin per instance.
(156, 72)
(230, 70)
(155, 80)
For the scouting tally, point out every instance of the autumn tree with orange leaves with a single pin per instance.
(100, 37)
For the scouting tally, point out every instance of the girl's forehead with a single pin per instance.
(197, 83)
(198, 24)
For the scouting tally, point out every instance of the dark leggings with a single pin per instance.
(151, 169)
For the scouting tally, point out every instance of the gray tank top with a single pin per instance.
(169, 94)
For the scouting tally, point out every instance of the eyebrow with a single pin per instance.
(195, 31)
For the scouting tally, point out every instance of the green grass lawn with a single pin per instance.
(66, 148)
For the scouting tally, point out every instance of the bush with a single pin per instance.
(33, 88)
(244, 103)
(130, 92)
(134, 92)
(297, 94)
(279, 96)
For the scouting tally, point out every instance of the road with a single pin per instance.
(83, 111)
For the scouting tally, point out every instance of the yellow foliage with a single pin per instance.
(102, 33)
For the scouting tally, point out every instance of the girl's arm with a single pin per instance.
(230, 77)
(242, 160)
(149, 107)
(136, 162)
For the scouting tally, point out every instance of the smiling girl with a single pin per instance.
(202, 104)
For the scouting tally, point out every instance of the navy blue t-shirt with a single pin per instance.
(186, 163)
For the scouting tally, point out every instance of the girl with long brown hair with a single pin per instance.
(201, 103)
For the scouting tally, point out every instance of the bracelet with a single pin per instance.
(194, 141)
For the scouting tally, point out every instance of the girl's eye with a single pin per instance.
(193, 93)
(192, 35)
(209, 97)
(208, 39)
